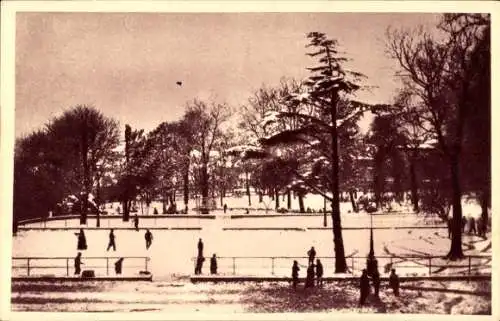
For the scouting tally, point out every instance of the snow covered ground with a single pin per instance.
(397, 236)
(181, 297)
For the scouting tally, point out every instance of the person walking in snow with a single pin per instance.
(472, 226)
(200, 248)
(199, 265)
(394, 282)
(111, 242)
(464, 223)
(311, 254)
(118, 266)
(310, 277)
(82, 241)
(78, 263)
(148, 236)
(364, 287)
(136, 222)
(213, 264)
(319, 273)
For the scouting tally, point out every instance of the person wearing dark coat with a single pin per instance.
(225, 208)
(111, 243)
(295, 274)
(200, 248)
(82, 241)
(364, 287)
(118, 266)
(136, 222)
(481, 227)
(464, 223)
(78, 263)
(149, 238)
(311, 254)
(319, 273)
(199, 265)
(213, 264)
(310, 277)
(472, 226)
(394, 282)
(376, 282)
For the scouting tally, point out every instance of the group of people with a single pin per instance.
(475, 227)
(82, 240)
(316, 270)
(200, 259)
(313, 271)
(78, 264)
(82, 245)
(364, 284)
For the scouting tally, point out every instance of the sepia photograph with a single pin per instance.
(202, 162)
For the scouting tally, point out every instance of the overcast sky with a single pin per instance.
(127, 65)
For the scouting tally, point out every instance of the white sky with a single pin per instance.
(127, 64)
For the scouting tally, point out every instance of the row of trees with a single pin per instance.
(297, 137)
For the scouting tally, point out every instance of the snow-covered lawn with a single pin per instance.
(182, 297)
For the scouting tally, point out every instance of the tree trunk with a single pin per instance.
(289, 200)
(97, 201)
(164, 205)
(353, 202)
(261, 197)
(204, 187)
(186, 185)
(340, 261)
(247, 186)
(377, 178)
(456, 235)
(126, 210)
(277, 199)
(397, 170)
(86, 178)
(301, 203)
(414, 186)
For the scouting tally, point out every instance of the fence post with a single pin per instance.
(430, 266)
(234, 266)
(146, 262)
(352, 265)
(272, 265)
(469, 265)
(67, 267)
(28, 265)
(107, 266)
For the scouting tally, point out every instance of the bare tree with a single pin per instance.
(205, 120)
(440, 74)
